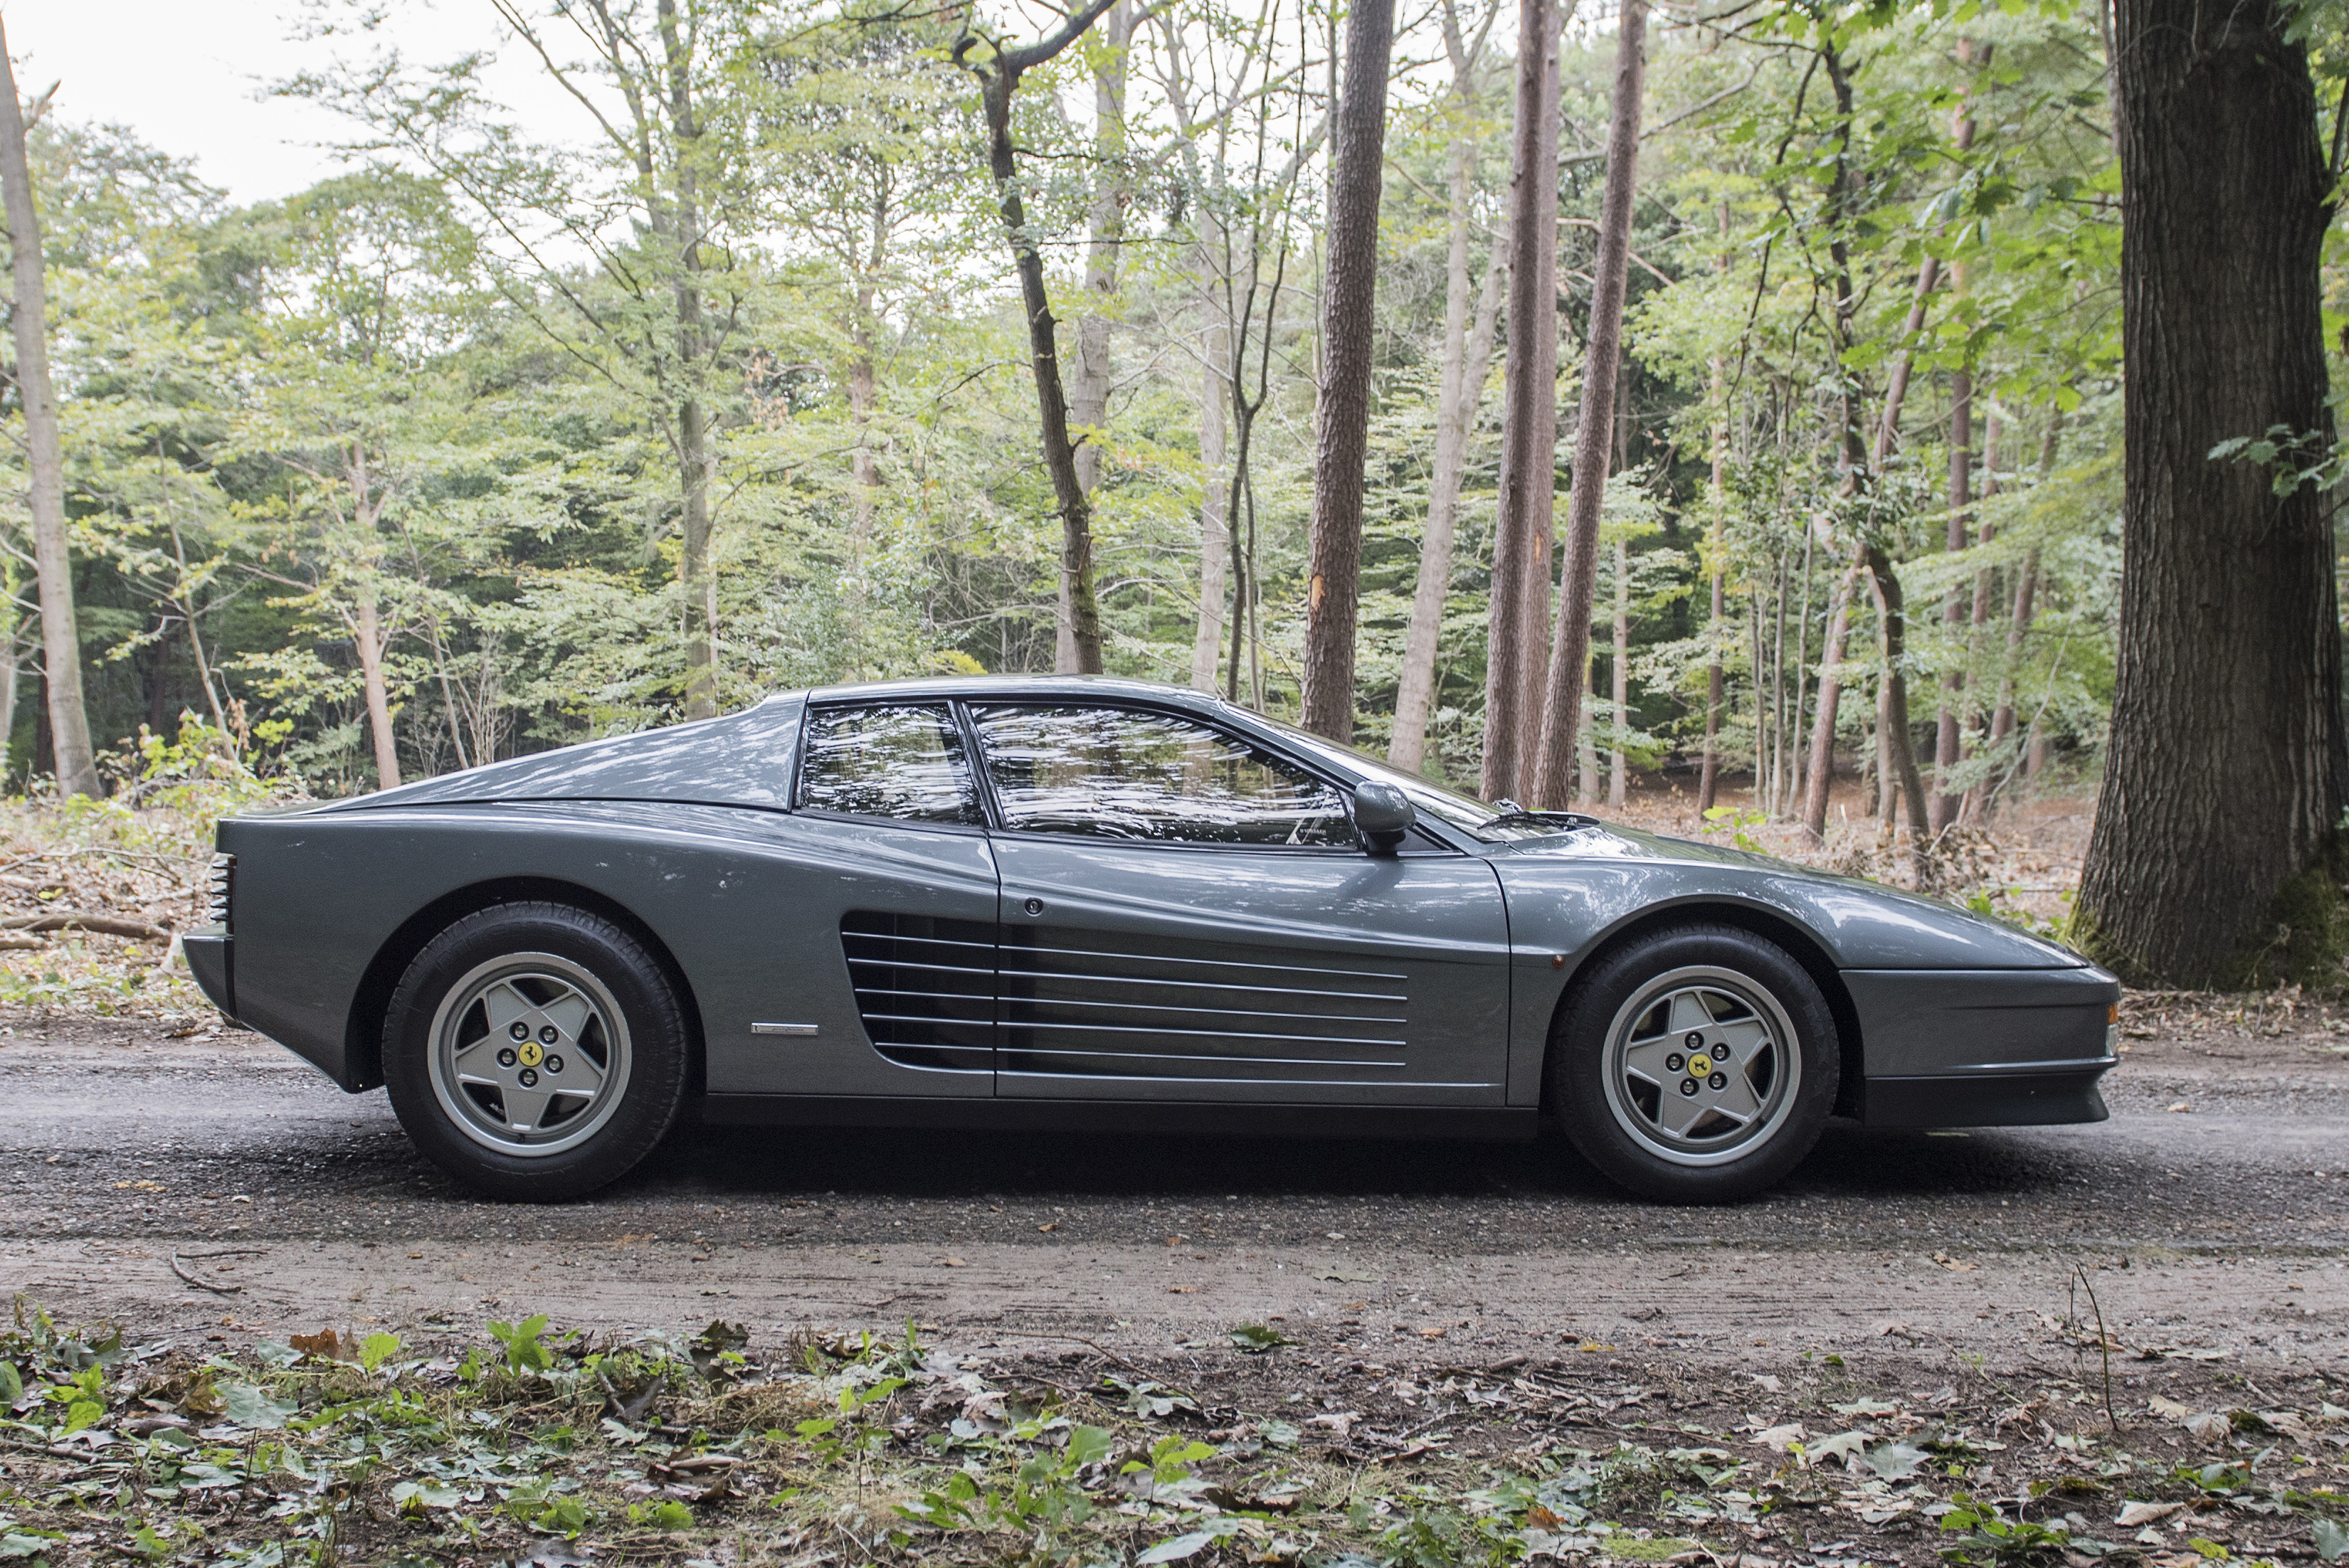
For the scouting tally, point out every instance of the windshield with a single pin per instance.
(1466, 812)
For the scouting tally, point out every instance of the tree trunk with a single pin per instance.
(2224, 780)
(1529, 399)
(696, 582)
(1708, 782)
(1820, 773)
(1885, 584)
(1944, 807)
(1948, 720)
(1342, 439)
(998, 80)
(77, 769)
(1215, 520)
(367, 636)
(1467, 352)
(1977, 797)
(1594, 431)
(700, 586)
(1105, 234)
(1620, 670)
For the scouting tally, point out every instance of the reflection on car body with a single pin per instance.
(1054, 902)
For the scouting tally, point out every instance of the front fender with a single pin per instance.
(1570, 896)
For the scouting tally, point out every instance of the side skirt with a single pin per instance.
(1499, 1124)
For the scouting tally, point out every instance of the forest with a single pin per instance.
(1563, 399)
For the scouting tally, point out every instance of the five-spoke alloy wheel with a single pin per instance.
(1696, 1064)
(535, 1051)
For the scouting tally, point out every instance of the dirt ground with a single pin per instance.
(2210, 1207)
(1449, 1315)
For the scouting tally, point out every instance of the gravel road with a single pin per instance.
(2209, 1214)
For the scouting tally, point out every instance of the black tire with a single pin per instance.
(598, 1060)
(1632, 1022)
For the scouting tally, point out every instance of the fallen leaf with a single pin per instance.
(326, 1345)
(2133, 1514)
(1780, 1438)
(2209, 1425)
(1952, 1264)
(1895, 1461)
(253, 1408)
(1054, 1225)
(1845, 1446)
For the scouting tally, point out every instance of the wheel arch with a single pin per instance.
(1801, 944)
(363, 1030)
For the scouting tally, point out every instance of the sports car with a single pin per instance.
(1035, 905)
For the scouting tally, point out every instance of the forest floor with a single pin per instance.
(1158, 1350)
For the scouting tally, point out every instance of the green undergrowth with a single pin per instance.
(533, 1445)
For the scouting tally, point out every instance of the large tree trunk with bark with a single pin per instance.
(1467, 353)
(1594, 428)
(2224, 780)
(77, 769)
(1342, 440)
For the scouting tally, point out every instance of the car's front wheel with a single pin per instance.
(1695, 1065)
(535, 1051)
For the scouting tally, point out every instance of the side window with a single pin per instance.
(1119, 773)
(900, 760)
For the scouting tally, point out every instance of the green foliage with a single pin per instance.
(521, 1346)
(1986, 1538)
(407, 452)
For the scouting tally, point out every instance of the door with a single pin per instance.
(897, 882)
(1188, 915)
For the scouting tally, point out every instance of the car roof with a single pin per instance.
(1089, 688)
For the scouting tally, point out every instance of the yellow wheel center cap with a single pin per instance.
(530, 1052)
(1700, 1065)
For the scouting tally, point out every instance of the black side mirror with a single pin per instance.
(1383, 814)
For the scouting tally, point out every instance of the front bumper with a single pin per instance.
(212, 959)
(2045, 1095)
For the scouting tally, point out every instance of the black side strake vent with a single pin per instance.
(925, 986)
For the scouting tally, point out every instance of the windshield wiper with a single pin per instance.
(1565, 820)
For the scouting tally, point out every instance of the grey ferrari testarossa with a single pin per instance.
(1065, 904)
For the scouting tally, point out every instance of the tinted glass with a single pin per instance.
(1463, 811)
(1118, 773)
(889, 760)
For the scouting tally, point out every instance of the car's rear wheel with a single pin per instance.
(535, 1051)
(1695, 1065)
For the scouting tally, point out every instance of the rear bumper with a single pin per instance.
(2047, 1094)
(211, 959)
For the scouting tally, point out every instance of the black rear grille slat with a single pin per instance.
(1073, 1003)
(942, 994)
(925, 987)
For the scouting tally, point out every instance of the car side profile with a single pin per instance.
(1081, 903)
